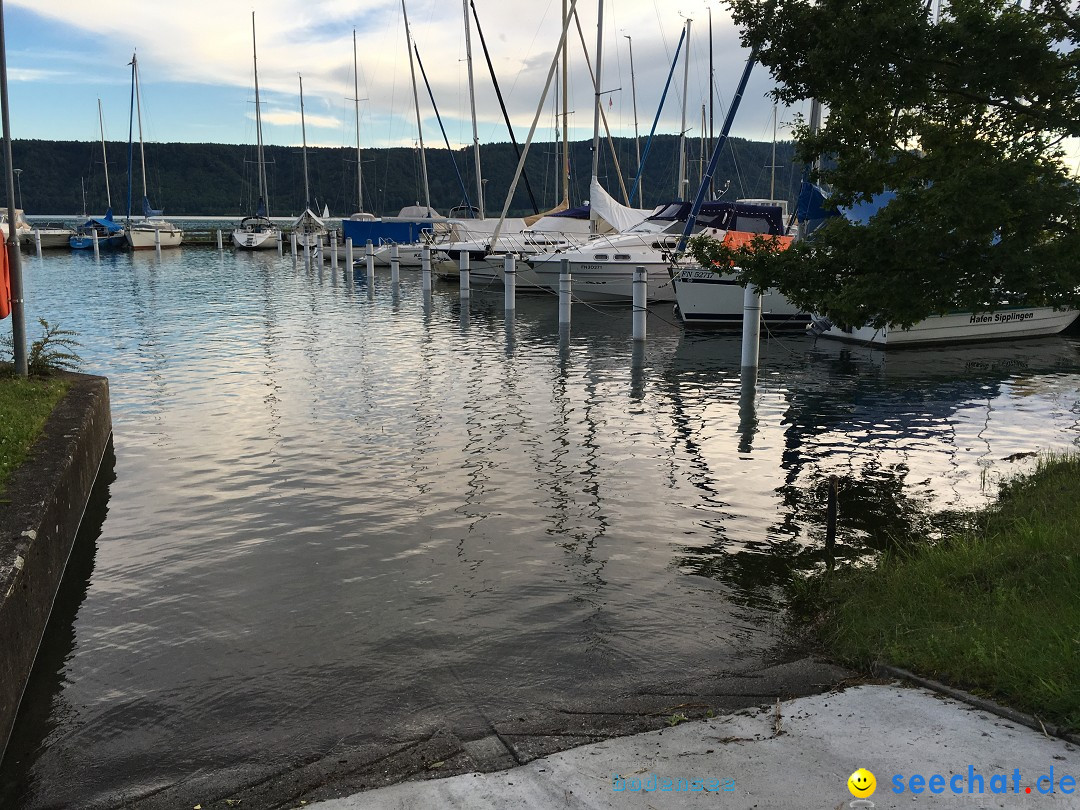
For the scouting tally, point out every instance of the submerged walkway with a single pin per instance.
(923, 749)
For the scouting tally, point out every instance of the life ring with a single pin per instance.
(5, 282)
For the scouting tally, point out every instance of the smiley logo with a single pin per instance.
(862, 783)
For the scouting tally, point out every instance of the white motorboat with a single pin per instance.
(1004, 323)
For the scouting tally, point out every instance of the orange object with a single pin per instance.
(736, 239)
(5, 283)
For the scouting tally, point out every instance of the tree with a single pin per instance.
(962, 119)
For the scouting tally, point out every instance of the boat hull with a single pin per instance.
(605, 281)
(145, 237)
(964, 327)
(84, 242)
(705, 298)
(248, 240)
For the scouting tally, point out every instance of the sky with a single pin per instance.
(197, 81)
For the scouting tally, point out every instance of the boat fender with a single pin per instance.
(5, 284)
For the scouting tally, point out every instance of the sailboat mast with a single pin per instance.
(633, 94)
(261, 171)
(416, 103)
(131, 140)
(472, 106)
(138, 112)
(104, 157)
(565, 122)
(356, 102)
(303, 135)
(772, 181)
(596, 91)
(680, 192)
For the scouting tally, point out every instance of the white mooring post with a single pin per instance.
(395, 264)
(751, 318)
(369, 258)
(641, 289)
(463, 272)
(321, 250)
(37, 241)
(565, 287)
(425, 269)
(509, 282)
(307, 254)
(280, 243)
(348, 253)
(333, 250)
(219, 245)
(292, 242)
(157, 242)
(97, 248)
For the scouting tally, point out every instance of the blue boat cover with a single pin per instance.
(148, 211)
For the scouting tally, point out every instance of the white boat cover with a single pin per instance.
(607, 209)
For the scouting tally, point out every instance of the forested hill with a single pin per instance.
(219, 180)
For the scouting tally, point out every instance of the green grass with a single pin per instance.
(24, 407)
(995, 611)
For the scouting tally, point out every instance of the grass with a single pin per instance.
(995, 611)
(25, 404)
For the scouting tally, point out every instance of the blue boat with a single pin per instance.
(110, 233)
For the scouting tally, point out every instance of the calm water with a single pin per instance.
(338, 515)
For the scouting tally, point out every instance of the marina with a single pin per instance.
(343, 516)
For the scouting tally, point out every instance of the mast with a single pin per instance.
(303, 135)
(565, 124)
(416, 103)
(261, 171)
(472, 107)
(131, 122)
(356, 100)
(596, 109)
(772, 180)
(138, 111)
(633, 93)
(680, 192)
(712, 95)
(104, 158)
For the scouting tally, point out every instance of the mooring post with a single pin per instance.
(369, 257)
(395, 264)
(37, 241)
(463, 273)
(219, 245)
(292, 241)
(157, 242)
(280, 242)
(641, 289)
(307, 252)
(510, 282)
(830, 523)
(565, 287)
(751, 319)
(97, 248)
(425, 269)
(348, 253)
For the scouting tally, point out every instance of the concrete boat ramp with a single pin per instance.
(924, 750)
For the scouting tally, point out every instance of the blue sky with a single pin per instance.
(196, 77)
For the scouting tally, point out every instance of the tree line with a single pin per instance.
(193, 179)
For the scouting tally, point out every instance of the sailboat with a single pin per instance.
(308, 227)
(110, 233)
(153, 230)
(257, 232)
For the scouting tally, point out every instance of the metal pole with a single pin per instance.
(348, 253)
(641, 288)
(97, 249)
(463, 273)
(425, 268)
(333, 250)
(157, 242)
(219, 245)
(680, 192)
(369, 258)
(633, 93)
(509, 282)
(565, 288)
(18, 317)
(307, 254)
(280, 242)
(395, 264)
(292, 242)
(37, 241)
(751, 318)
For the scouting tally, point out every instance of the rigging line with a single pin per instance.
(434, 106)
(502, 106)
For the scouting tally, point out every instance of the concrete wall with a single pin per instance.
(40, 513)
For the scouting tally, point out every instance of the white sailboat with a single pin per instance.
(257, 232)
(309, 227)
(153, 230)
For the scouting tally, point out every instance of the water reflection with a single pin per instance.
(351, 514)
